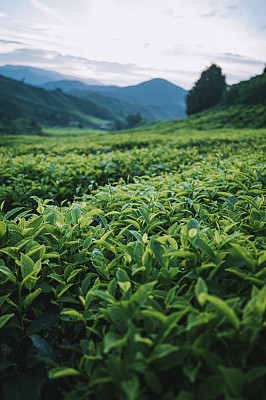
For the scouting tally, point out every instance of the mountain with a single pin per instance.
(156, 99)
(163, 99)
(38, 76)
(53, 108)
(67, 86)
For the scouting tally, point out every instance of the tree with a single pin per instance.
(207, 91)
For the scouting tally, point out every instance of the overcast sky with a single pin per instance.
(125, 42)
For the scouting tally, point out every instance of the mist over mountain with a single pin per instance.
(38, 76)
(155, 99)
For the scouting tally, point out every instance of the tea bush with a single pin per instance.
(144, 287)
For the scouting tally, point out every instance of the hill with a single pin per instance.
(38, 76)
(124, 108)
(252, 91)
(54, 108)
(243, 105)
(156, 99)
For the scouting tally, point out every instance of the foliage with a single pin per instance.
(247, 92)
(148, 288)
(63, 171)
(28, 126)
(207, 91)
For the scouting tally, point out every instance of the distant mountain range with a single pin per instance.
(37, 76)
(156, 99)
(53, 108)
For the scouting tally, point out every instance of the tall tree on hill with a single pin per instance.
(207, 91)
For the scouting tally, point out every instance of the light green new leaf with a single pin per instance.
(6, 271)
(244, 255)
(73, 313)
(221, 306)
(200, 291)
(2, 228)
(62, 372)
(125, 286)
(4, 319)
(31, 297)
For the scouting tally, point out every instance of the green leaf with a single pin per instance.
(75, 214)
(125, 286)
(2, 228)
(6, 271)
(134, 223)
(131, 388)
(222, 307)
(244, 255)
(192, 224)
(158, 250)
(185, 395)
(203, 246)
(73, 313)
(3, 299)
(42, 345)
(162, 350)
(200, 291)
(137, 235)
(27, 265)
(153, 381)
(181, 253)
(122, 275)
(12, 212)
(104, 295)
(235, 380)
(112, 340)
(4, 319)
(211, 388)
(62, 372)
(31, 297)
(192, 233)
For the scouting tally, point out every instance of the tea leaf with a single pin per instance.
(4, 319)
(62, 372)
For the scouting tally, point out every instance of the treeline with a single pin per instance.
(211, 90)
(20, 126)
(248, 92)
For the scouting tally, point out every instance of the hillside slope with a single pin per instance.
(156, 99)
(51, 107)
(252, 91)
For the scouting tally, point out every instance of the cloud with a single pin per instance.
(214, 13)
(10, 41)
(3, 15)
(238, 59)
(51, 12)
(9, 46)
(27, 56)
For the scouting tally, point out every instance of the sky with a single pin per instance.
(125, 42)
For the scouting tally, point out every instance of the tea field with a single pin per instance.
(133, 265)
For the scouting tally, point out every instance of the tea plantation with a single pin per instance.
(133, 265)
